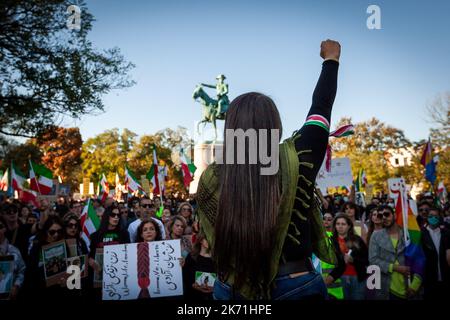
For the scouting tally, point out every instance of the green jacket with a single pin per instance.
(208, 197)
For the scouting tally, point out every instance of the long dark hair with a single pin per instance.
(248, 203)
(104, 223)
(41, 236)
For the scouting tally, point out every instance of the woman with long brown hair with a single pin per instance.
(356, 257)
(263, 227)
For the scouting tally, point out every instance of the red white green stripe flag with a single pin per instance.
(152, 174)
(188, 169)
(27, 196)
(90, 222)
(17, 178)
(103, 188)
(4, 183)
(41, 178)
(343, 131)
(131, 181)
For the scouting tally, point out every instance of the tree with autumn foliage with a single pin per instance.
(369, 148)
(61, 152)
(109, 151)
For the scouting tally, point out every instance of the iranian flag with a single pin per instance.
(29, 196)
(90, 222)
(152, 174)
(131, 181)
(17, 178)
(41, 178)
(4, 182)
(188, 169)
(103, 188)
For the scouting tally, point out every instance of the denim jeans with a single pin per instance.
(308, 286)
(353, 290)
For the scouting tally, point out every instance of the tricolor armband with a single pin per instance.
(318, 120)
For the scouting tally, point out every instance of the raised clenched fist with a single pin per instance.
(330, 49)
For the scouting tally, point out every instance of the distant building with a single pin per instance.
(400, 157)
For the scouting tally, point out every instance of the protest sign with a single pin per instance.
(142, 270)
(6, 275)
(369, 193)
(54, 256)
(98, 275)
(340, 175)
(81, 262)
(205, 278)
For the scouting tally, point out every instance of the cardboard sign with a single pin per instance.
(54, 256)
(340, 175)
(6, 275)
(142, 270)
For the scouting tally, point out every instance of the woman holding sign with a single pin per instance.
(39, 269)
(261, 217)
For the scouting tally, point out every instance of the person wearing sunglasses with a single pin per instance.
(109, 233)
(423, 210)
(35, 283)
(7, 249)
(72, 230)
(186, 211)
(387, 250)
(147, 211)
(328, 221)
(17, 233)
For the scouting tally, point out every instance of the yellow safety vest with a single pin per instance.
(335, 289)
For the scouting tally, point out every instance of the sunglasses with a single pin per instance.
(114, 215)
(53, 232)
(424, 210)
(379, 215)
(328, 219)
(72, 225)
(186, 209)
(146, 205)
(386, 214)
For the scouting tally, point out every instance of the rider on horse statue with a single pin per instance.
(222, 99)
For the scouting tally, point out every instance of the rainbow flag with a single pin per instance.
(429, 163)
(414, 255)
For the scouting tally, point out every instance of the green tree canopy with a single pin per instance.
(48, 71)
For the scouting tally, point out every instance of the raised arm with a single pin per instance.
(208, 85)
(315, 131)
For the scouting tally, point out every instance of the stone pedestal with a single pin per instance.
(204, 154)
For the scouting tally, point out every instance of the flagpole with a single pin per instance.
(35, 178)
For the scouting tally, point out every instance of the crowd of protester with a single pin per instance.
(362, 236)
(368, 235)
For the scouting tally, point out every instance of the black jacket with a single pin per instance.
(431, 263)
(360, 255)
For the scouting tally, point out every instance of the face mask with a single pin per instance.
(345, 199)
(390, 204)
(433, 221)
